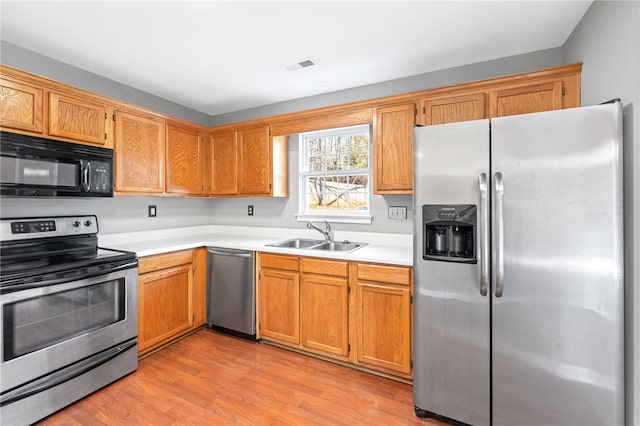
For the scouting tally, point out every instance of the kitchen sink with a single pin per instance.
(338, 246)
(307, 244)
(299, 243)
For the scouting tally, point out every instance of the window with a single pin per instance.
(335, 175)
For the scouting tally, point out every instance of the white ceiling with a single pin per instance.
(223, 56)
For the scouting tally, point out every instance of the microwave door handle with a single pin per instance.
(484, 234)
(86, 176)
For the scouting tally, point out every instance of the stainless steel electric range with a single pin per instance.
(69, 315)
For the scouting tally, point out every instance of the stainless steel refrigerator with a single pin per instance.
(518, 269)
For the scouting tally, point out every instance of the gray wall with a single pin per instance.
(607, 41)
(44, 66)
(477, 71)
(120, 214)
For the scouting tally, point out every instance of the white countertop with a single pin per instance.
(396, 249)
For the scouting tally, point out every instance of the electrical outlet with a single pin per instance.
(398, 213)
(250, 210)
(152, 211)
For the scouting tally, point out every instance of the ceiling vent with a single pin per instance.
(299, 65)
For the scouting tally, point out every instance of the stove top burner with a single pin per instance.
(33, 248)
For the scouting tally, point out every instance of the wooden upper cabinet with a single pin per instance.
(184, 165)
(248, 162)
(393, 149)
(78, 119)
(451, 109)
(139, 153)
(254, 161)
(526, 98)
(20, 106)
(224, 164)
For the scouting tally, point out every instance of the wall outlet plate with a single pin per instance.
(398, 213)
(250, 210)
(153, 211)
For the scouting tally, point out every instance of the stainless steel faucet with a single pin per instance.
(326, 232)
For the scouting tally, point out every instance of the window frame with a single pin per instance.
(343, 216)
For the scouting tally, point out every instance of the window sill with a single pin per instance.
(335, 218)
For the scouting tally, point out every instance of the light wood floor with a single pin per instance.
(210, 378)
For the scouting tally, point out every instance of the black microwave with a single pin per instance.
(38, 167)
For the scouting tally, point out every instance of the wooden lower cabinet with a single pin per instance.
(200, 286)
(384, 317)
(358, 313)
(170, 302)
(280, 303)
(303, 302)
(324, 306)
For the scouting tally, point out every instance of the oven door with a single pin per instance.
(52, 326)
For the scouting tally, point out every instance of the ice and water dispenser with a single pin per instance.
(449, 232)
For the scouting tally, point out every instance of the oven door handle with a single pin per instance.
(66, 374)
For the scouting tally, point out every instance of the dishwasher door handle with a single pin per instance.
(231, 254)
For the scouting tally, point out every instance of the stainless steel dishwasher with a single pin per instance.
(231, 291)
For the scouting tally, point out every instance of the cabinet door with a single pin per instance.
(224, 164)
(139, 153)
(452, 109)
(78, 119)
(324, 314)
(279, 305)
(254, 164)
(20, 106)
(165, 303)
(526, 98)
(393, 149)
(185, 174)
(384, 327)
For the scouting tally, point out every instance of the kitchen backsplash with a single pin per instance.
(126, 214)
(119, 214)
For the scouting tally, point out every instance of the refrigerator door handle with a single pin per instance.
(484, 234)
(499, 192)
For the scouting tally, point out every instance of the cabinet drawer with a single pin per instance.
(325, 267)
(290, 263)
(385, 273)
(162, 261)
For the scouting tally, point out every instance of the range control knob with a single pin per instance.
(88, 223)
(76, 224)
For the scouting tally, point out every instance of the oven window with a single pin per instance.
(39, 322)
